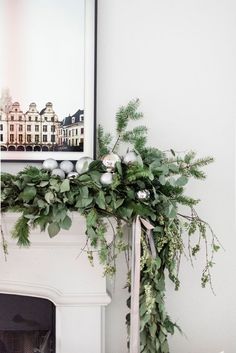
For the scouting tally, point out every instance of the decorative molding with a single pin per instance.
(53, 294)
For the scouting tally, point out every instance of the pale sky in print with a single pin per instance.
(42, 53)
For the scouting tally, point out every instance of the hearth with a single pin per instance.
(27, 324)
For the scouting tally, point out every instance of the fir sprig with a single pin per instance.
(103, 141)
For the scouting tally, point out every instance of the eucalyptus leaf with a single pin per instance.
(91, 218)
(17, 183)
(162, 179)
(49, 196)
(84, 202)
(181, 181)
(28, 193)
(53, 229)
(118, 203)
(65, 185)
(95, 175)
(41, 203)
(158, 262)
(43, 183)
(66, 223)
(84, 192)
(84, 178)
(100, 200)
(153, 329)
(174, 168)
(119, 168)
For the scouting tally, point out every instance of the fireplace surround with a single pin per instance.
(56, 269)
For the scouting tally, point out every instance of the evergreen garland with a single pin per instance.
(46, 201)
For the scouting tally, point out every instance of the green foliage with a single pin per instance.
(21, 231)
(127, 113)
(46, 201)
(137, 137)
(103, 141)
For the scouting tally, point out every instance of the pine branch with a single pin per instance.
(186, 200)
(202, 162)
(103, 141)
(123, 116)
(127, 113)
(21, 231)
(137, 137)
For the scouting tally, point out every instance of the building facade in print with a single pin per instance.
(30, 131)
(37, 130)
(71, 133)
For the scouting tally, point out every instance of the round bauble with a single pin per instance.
(143, 194)
(67, 166)
(110, 160)
(183, 165)
(72, 175)
(132, 157)
(82, 165)
(59, 172)
(50, 164)
(106, 179)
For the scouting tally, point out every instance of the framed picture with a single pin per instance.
(47, 79)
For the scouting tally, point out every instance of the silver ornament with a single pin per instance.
(132, 157)
(59, 172)
(72, 175)
(82, 165)
(143, 194)
(110, 160)
(67, 166)
(50, 164)
(106, 178)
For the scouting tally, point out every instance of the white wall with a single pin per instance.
(178, 57)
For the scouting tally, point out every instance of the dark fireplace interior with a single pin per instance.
(27, 324)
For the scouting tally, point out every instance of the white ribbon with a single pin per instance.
(135, 286)
(135, 279)
(149, 227)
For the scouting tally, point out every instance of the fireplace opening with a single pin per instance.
(27, 324)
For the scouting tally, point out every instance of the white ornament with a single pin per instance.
(82, 165)
(106, 179)
(59, 172)
(110, 161)
(143, 194)
(72, 175)
(132, 157)
(50, 164)
(67, 166)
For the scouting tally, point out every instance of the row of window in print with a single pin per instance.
(29, 128)
(29, 118)
(45, 129)
(51, 139)
(73, 132)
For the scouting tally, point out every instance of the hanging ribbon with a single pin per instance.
(135, 278)
(149, 227)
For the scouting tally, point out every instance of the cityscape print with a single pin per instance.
(38, 128)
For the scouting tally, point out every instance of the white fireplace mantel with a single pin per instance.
(57, 269)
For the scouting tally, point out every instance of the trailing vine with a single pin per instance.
(46, 201)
